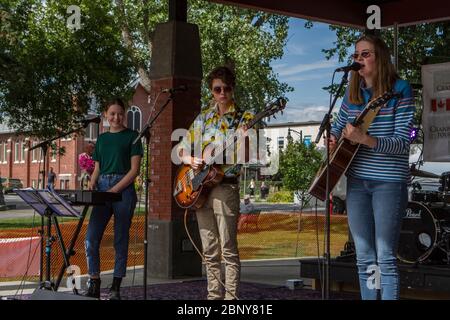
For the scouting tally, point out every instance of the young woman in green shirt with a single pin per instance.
(117, 163)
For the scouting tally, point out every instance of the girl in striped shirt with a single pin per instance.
(377, 177)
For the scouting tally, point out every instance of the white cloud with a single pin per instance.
(295, 49)
(295, 69)
(301, 113)
(312, 76)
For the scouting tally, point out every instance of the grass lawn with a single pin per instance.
(276, 236)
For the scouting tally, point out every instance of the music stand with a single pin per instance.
(50, 205)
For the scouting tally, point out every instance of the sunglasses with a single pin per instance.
(218, 89)
(365, 54)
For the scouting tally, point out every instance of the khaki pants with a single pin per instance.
(217, 222)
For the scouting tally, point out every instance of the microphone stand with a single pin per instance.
(326, 126)
(44, 145)
(145, 132)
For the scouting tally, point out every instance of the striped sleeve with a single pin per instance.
(341, 119)
(398, 142)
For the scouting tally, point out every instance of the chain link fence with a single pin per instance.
(262, 235)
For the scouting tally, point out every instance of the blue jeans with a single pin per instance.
(375, 211)
(123, 213)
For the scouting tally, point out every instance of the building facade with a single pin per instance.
(277, 134)
(16, 161)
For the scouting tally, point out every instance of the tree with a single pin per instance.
(298, 166)
(417, 44)
(247, 40)
(51, 75)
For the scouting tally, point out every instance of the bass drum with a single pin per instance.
(423, 233)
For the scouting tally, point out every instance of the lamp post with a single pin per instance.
(300, 133)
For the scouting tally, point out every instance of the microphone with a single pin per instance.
(90, 119)
(173, 90)
(355, 66)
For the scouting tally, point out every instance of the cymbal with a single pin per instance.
(424, 174)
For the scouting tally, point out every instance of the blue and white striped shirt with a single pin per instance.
(389, 160)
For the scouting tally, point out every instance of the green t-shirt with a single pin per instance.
(113, 151)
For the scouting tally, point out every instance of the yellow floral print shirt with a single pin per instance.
(209, 127)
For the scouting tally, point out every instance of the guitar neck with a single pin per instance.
(365, 119)
(230, 141)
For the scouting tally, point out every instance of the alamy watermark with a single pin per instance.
(74, 277)
(374, 20)
(73, 22)
(374, 280)
(233, 145)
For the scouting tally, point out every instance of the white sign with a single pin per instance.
(436, 112)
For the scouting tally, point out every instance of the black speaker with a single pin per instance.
(42, 294)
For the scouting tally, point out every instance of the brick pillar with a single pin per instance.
(176, 61)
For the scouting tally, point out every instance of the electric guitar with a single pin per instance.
(345, 151)
(191, 187)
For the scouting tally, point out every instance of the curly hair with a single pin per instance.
(223, 73)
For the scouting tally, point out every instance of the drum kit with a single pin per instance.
(425, 231)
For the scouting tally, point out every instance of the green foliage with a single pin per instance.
(298, 165)
(46, 68)
(281, 196)
(418, 44)
(247, 40)
(50, 73)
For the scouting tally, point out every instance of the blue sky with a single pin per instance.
(305, 68)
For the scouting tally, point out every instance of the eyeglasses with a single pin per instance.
(365, 54)
(218, 89)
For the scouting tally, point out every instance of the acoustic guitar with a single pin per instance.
(345, 151)
(191, 187)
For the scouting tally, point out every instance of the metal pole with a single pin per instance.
(396, 45)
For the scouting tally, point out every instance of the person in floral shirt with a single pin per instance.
(217, 219)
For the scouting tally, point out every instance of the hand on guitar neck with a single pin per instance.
(333, 143)
(194, 162)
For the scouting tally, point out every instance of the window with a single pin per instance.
(280, 143)
(52, 155)
(3, 152)
(16, 152)
(307, 140)
(134, 118)
(23, 157)
(91, 132)
(64, 183)
(64, 180)
(36, 154)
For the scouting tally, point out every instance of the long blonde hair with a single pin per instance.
(385, 74)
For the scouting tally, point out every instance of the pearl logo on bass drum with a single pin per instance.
(411, 214)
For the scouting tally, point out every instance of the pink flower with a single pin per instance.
(86, 163)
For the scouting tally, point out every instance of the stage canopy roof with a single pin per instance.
(353, 12)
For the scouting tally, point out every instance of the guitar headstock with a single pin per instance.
(272, 108)
(385, 97)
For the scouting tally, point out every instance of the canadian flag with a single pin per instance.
(440, 104)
